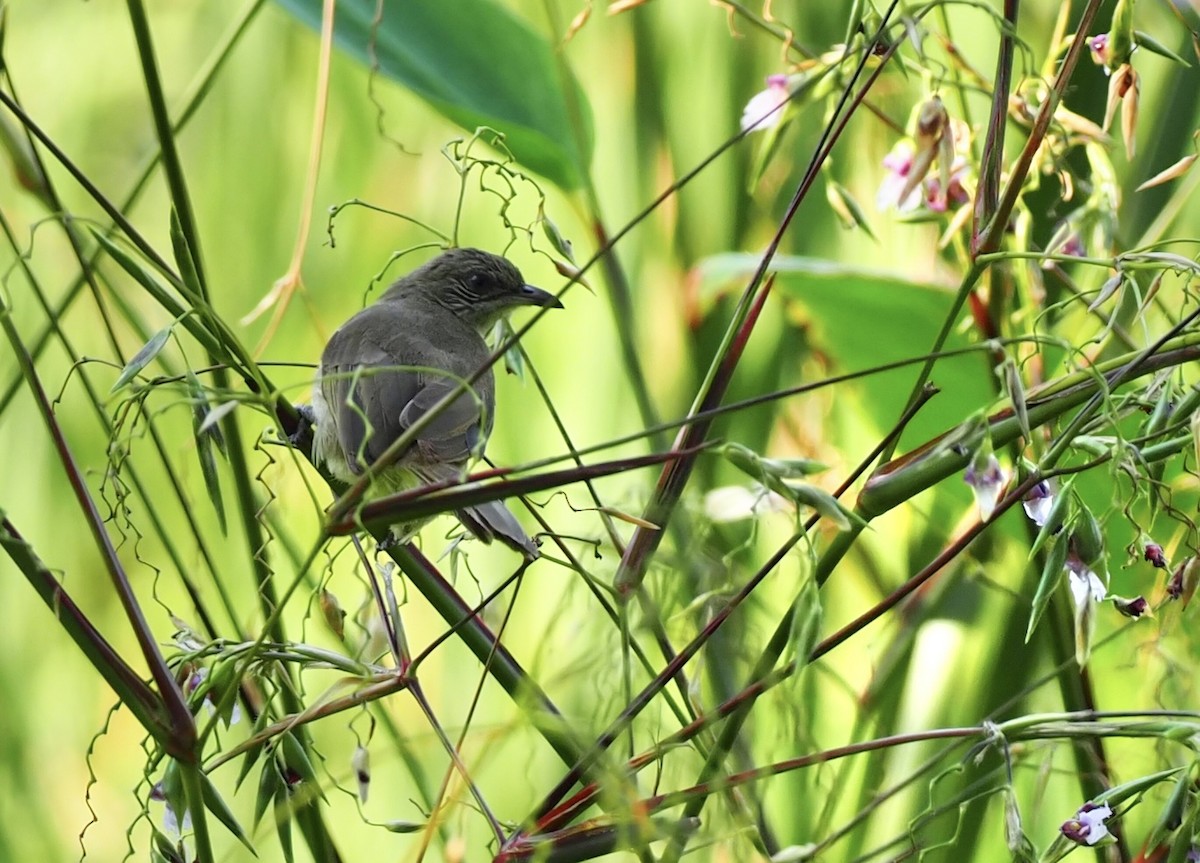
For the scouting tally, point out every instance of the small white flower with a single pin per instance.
(361, 762)
(1038, 502)
(1086, 586)
(737, 502)
(987, 480)
(765, 107)
(1088, 824)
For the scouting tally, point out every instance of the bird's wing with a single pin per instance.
(375, 401)
(454, 433)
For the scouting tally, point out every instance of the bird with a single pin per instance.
(396, 359)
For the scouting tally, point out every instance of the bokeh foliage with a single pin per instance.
(1065, 344)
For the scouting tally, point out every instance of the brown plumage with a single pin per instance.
(395, 360)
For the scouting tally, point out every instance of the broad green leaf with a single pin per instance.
(860, 318)
(477, 64)
(142, 358)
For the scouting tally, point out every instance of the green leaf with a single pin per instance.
(860, 317)
(215, 803)
(269, 783)
(212, 420)
(477, 64)
(204, 449)
(1145, 40)
(296, 758)
(806, 623)
(184, 258)
(823, 502)
(1052, 574)
(143, 357)
(403, 826)
(850, 213)
(283, 821)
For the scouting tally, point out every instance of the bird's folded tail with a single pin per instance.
(492, 520)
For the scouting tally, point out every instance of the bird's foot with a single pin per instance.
(301, 438)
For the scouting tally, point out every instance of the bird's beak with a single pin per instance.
(531, 296)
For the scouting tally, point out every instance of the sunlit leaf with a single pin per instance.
(859, 317)
(477, 64)
(143, 357)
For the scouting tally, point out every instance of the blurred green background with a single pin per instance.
(666, 82)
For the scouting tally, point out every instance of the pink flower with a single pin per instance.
(765, 107)
(955, 194)
(899, 164)
(1099, 47)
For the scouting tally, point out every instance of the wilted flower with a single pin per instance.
(987, 480)
(955, 194)
(1087, 827)
(1038, 502)
(1099, 48)
(1154, 553)
(1125, 87)
(1134, 608)
(1183, 580)
(940, 140)
(1087, 590)
(765, 107)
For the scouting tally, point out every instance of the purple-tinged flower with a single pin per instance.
(987, 480)
(1133, 608)
(954, 195)
(1073, 246)
(1038, 502)
(1087, 827)
(765, 107)
(173, 826)
(1183, 580)
(1099, 48)
(1086, 586)
(1154, 553)
(892, 191)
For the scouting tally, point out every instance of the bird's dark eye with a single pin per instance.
(478, 281)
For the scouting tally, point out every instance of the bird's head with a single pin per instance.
(477, 286)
